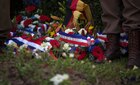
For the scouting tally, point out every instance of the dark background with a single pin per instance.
(53, 7)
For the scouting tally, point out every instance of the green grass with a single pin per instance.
(31, 71)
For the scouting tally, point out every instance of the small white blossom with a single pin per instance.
(82, 62)
(37, 16)
(66, 46)
(35, 22)
(46, 46)
(24, 46)
(71, 55)
(64, 54)
(59, 78)
(37, 56)
(135, 67)
(93, 66)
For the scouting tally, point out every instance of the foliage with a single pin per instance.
(53, 7)
(23, 68)
(29, 71)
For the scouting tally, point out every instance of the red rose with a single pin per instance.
(44, 18)
(30, 8)
(18, 18)
(55, 43)
(27, 22)
(82, 55)
(98, 53)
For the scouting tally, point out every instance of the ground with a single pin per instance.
(23, 69)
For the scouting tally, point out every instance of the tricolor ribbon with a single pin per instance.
(74, 39)
(32, 44)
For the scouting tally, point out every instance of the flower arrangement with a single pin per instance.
(40, 33)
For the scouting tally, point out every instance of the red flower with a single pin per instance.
(30, 8)
(98, 53)
(82, 55)
(18, 18)
(27, 22)
(55, 43)
(44, 18)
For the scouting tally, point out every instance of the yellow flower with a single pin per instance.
(90, 28)
(52, 33)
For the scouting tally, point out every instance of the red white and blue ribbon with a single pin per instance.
(101, 37)
(32, 44)
(74, 39)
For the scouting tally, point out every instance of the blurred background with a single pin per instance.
(57, 8)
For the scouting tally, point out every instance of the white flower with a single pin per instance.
(93, 66)
(46, 46)
(37, 16)
(35, 22)
(82, 62)
(59, 78)
(135, 67)
(66, 46)
(64, 54)
(23, 46)
(37, 56)
(71, 55)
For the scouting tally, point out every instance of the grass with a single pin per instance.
(23, 69)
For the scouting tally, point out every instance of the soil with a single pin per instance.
(11, 74)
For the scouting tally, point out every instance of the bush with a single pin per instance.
(52, 7)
